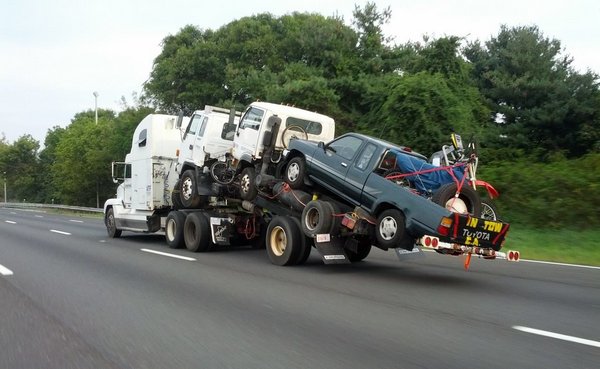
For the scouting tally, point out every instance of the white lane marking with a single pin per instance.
(13, 213)
(75, 221)
(10, 222)
(60, 232)
(560, 264)
(38, 216)
(559, 336)
(5, 271)
(169, 255)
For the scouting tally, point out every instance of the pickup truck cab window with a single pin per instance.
(252, 119)
(365, 157)
(346, 146)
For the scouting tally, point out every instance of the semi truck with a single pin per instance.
(257, 189)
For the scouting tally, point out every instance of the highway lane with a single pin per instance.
(120, 307)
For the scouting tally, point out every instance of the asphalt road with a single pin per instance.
(77, 299)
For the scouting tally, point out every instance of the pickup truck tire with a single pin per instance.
(188, 192)
(174, 229)
(390, 229)
(111, 225)
(317, 218)
(468, 200)
(196, 233)
(294, 172)
(285, 241)
(248, 190)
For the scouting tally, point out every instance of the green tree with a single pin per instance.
(541, 103)
(21, 165)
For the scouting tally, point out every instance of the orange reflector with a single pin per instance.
(444, 227)
(177, 152)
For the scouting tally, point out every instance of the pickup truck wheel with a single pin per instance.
(285, 242)
(317, 218)
(488, 210)
(111, 225)
(248, 190)
(468, 200)
(188, 193)
(174, 229)
(196, 233)
(390, 230)
(294, 172)
(362, 250)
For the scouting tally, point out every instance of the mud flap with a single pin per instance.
(331, 249)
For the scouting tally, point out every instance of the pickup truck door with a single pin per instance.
(330, 166)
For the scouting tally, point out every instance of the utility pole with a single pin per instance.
(96, 105)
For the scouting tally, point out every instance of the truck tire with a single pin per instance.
(248, 190)
(188, 191)
(306, 249)
(488, 210)
(176, 196)
(174, 229)
(390, 230)
(285, 242)
(362, 250)
(196, 233)
(111, 225)
(295, 171)
(317, 218)
(468, 200)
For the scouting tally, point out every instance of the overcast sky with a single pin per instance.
(55, 54)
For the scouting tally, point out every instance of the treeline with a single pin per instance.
(531, 111)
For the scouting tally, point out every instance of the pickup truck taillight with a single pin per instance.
(444, 227)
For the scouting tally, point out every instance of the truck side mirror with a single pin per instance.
(321, 145)
(179, 119)
(273, 119)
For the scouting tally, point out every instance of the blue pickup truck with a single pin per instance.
(350, 169)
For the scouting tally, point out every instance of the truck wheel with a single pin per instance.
(176, 195)
(468, 200)
(111, 225)
(317, 218)
(248, 190)
(390, 230)
(196, 233)
(188, 193)
(285, 242)
(294, 172)
(306, 249)
(174, 229)
(362, 250)
(488, 210)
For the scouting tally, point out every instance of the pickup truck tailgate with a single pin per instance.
(472, 231)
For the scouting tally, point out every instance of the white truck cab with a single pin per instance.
(147, 175)
(249, 141)
(209, 135)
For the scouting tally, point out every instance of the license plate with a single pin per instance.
(479, 232)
